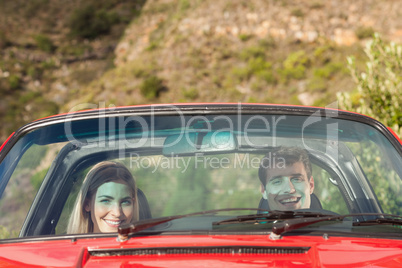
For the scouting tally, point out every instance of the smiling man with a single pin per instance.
(286, 178)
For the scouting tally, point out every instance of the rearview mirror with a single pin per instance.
(189, 143)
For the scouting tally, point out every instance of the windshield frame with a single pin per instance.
(167, 111)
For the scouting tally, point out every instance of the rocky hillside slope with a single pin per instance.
(265, 51)
(160, 51)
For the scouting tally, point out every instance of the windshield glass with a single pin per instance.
(94, 175)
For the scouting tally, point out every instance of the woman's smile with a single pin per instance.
(112, 206)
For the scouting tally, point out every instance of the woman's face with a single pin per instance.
(111, 206)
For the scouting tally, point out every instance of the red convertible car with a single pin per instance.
(202, 185)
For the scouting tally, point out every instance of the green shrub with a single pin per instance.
(37, 178)
(317, 5)
(257, 67)
(34, 72)
(297, 13)
(319, 51)
(245, 37)
(48, 64)
(258, 64)
(294, 66)
(152, 46)
(113, 17)
(267, 43)
(191, 93)
(151, 87)
(4, 233)
(14, 81)
(364, 32)
(252, 52)
(317, 84)
(262, 69)
(44, 43)
(321, 102)
(139, 72)
(75, 49)
(252, 99)
(40, 106)
(379, 88)
(140, 68)
(33, 156)
(323, 54)
(184, 5)
(27, 97)
(328, 70)
(240, 73)
(3, 40)
(90, 23)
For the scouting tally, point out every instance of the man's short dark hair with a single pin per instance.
(290, 155)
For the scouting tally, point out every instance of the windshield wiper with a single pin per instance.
(283, 221)
(124, 231)
(273, 215)
(379, 221)
(286, 221)
(278, 228)
(290, 220)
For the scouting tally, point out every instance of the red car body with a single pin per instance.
(319, 252)
(376, 246)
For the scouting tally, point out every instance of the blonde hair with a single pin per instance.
(103, 172)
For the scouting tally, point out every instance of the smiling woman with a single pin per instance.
(106, 199)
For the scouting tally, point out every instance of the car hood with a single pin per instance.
(205, 251)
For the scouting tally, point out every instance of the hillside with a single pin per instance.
(59, 56)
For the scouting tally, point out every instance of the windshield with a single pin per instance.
(92, 175)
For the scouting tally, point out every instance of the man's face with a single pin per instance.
(288, 188)
(111, 206)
